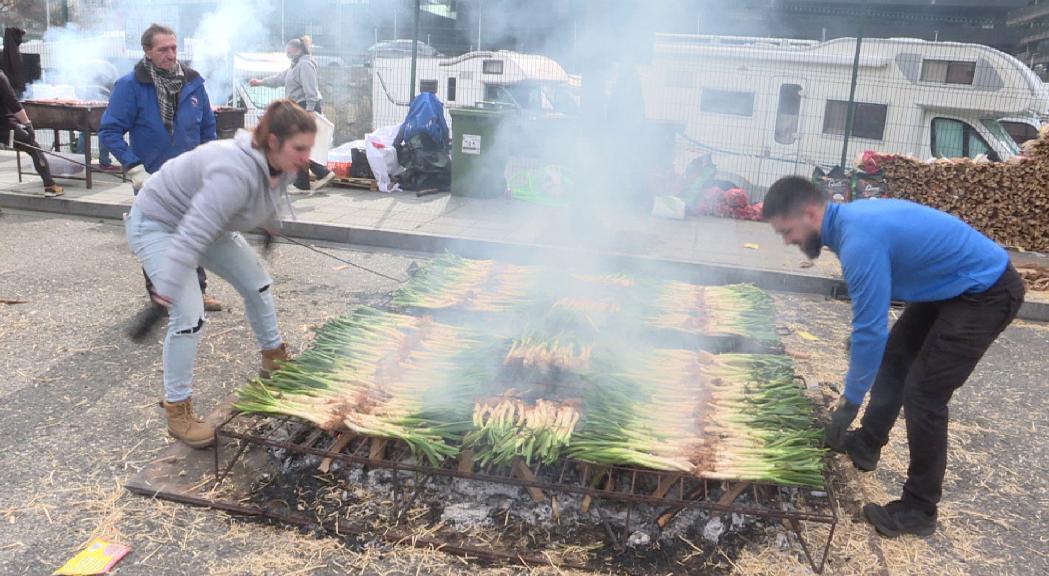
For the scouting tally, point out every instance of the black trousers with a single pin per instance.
(932, 350)
(302, 180)
(22, 137)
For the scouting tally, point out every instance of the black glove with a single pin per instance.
(28, 129)
(840, 419)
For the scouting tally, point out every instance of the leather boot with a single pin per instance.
(272, 359)
(211, 304)
(186, 426)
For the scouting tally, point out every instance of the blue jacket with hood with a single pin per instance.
(133, 110)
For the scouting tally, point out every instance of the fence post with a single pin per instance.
(850, 115)
(415, 50)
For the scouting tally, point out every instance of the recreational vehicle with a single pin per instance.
(527, 81)
(765, 108)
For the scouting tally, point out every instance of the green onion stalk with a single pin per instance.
(379, 374)
(734, 310)
(478, 285)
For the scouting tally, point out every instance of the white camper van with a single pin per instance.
(527, 81)
(766, 107)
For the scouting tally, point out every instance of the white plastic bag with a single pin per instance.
(325, 134)
(65, 164)
(668, 207)
(382, 156)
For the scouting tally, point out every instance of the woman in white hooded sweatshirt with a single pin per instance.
(190, 213)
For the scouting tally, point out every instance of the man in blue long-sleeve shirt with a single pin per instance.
(961, 291)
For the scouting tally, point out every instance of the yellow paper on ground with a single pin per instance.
(805, 335)
(98, 558)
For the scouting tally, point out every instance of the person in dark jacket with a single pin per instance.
(163, 108)
(16, 130)
(961, 292)
(11, 63)
(301, 86)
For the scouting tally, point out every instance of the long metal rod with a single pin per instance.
(64, 158)
(334, 257)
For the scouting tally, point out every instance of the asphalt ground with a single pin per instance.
(78, 418)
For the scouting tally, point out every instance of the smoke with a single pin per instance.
(77, 63)
(234, 26)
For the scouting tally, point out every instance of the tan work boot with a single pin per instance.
(184, 425)
(211, 304)
(272, 359)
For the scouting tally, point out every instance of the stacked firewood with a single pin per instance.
(1007, 201)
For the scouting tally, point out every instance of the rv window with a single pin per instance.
(1019, 132)
(868, 119)
(787, 113)
(948, 71)
(428, 86)
(492, 66)
(956, 139)
(450, 96)
(727, 102)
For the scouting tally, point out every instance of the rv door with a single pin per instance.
(783, 130)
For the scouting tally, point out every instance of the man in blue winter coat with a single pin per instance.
(961, 291)
(163, 108)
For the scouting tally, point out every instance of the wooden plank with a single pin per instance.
(666, 482)
(340, 443)
(466, 461)
(522, 472)
(732, 493)
(378, 448)
(596, 481)
(726, 499)
(362, 183)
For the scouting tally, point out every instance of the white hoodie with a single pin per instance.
(219, 187)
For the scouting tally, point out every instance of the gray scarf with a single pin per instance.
(169, 86)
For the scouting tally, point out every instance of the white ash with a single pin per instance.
(466, 515)
(638, 538)
(713, 530)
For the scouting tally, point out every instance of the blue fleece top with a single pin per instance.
(899, 250)
(133, 110)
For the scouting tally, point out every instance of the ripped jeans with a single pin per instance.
(232, 259)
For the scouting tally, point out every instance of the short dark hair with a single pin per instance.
(789, 195)
(153, 30)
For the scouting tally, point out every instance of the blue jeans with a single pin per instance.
(103, 152)
(232, 259)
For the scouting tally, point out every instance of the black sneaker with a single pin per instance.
(896, 518)
(863, 456)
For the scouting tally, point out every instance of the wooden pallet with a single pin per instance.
(362, 183)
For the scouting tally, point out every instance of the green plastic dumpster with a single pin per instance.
(481, 145)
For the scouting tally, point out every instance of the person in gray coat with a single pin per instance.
(301, 86)
(190, 213)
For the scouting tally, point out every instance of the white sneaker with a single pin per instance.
(323, 181)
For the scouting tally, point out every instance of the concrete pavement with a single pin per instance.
(703, 249)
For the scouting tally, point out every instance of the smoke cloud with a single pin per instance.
(234, 26)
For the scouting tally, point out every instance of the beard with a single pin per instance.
(812, 246)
